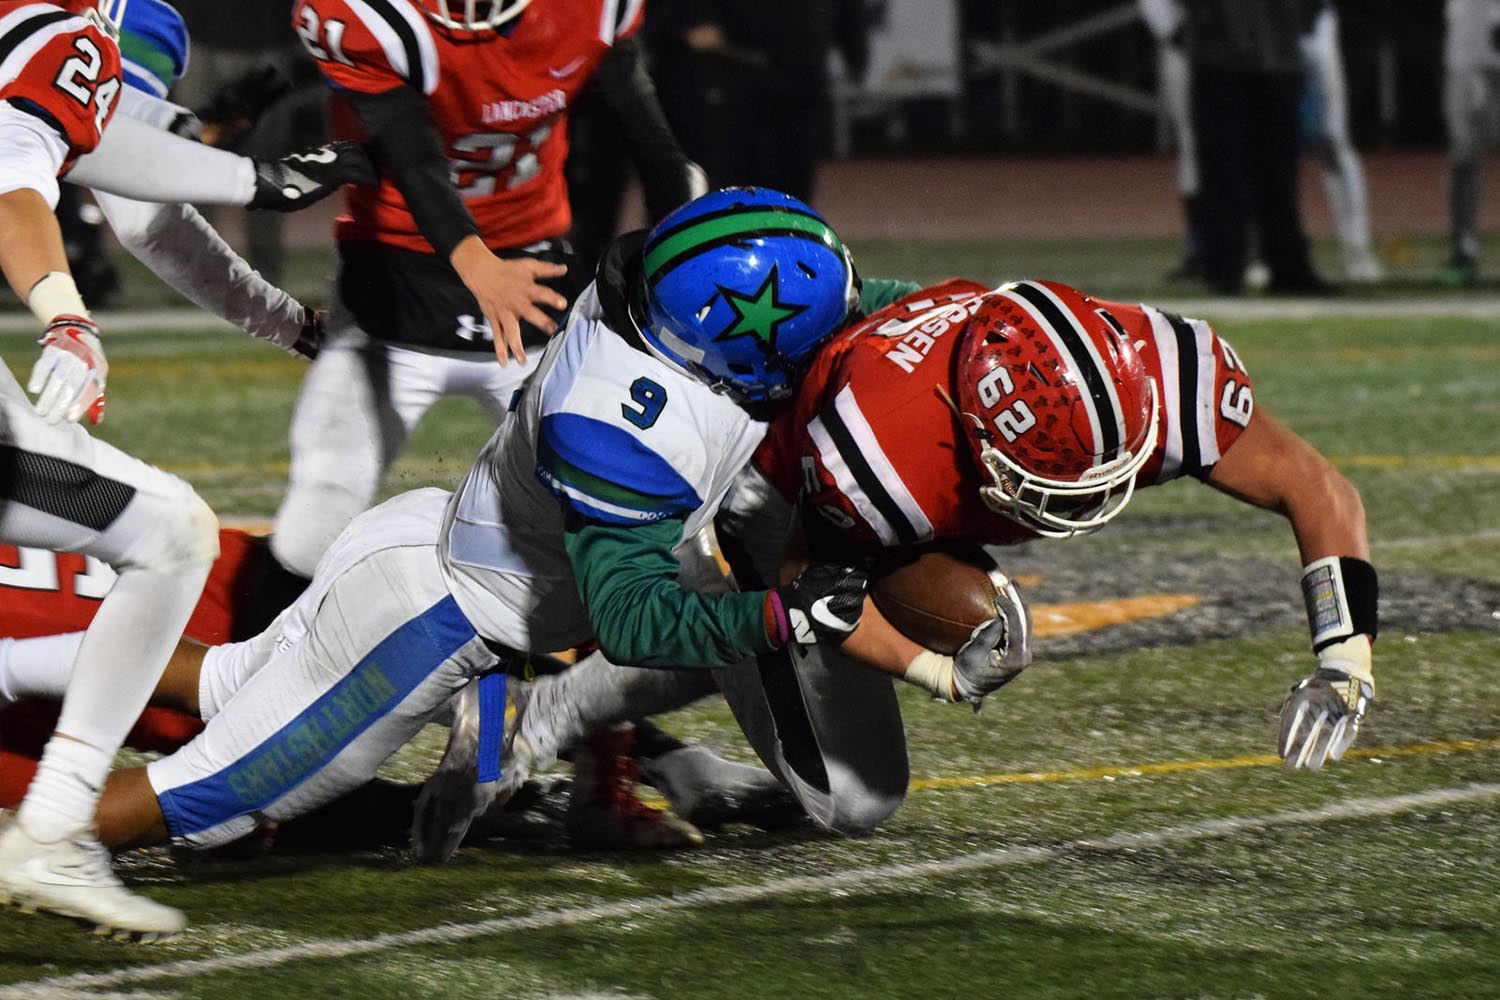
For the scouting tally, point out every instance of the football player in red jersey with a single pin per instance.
(62, 489)
(995, 416)
(465, 105)
(58, 593)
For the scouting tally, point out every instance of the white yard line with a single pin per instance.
(878, 877)
(165, 321)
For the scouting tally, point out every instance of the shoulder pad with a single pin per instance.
(370, 47)
(605, 473)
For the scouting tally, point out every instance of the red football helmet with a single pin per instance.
(106, 13)
(1064, 414)
(473, 15)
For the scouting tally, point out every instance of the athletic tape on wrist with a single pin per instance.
(1342, 595)
(55, 295)
(932, 672)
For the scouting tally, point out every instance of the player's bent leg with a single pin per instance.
(385, 652)
(344, 435)
(128, 814)
(68, 492)
(829, 728)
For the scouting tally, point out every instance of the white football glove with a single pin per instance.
(68, 378)
(1321, 715)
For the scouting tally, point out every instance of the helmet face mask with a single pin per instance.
(1058, 508)
(473, 15)
(1063, 416)
(739, 287)
(106, 14)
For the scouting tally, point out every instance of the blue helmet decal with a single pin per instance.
(739, 288)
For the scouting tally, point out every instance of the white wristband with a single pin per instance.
(55, 295)
(933, 672)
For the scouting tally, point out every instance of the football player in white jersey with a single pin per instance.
(567, 529)
(174, 240)
(1471, 93)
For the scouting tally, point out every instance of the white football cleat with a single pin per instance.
(72, 877)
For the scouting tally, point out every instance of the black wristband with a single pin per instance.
(1342, 594)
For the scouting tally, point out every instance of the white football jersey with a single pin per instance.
(603, 431)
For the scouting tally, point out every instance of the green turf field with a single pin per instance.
(1110, 826)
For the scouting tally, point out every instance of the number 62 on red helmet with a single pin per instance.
(1062, 413)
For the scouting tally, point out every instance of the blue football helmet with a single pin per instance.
(738, 288)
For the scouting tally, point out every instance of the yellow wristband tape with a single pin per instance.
(932, 672)
(55, 295)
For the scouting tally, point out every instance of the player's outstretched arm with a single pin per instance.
(1273, 468)
(407, 146)
(180, 247)
(136, 160)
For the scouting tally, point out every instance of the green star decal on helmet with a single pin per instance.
(758, 315)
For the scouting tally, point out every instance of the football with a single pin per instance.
(936, 595)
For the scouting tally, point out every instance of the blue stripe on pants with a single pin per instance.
(379, 682)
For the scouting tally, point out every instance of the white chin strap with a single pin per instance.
(1086, 505)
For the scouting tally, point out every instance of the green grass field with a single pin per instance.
(1113, 824)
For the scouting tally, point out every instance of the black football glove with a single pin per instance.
(824, 603)
(297, 180)
(237, 106)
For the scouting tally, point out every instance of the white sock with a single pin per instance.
(125, 650)
(37, 668)
(62, 797)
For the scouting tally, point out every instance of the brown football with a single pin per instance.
(935, 595)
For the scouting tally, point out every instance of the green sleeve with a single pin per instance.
(627, 577)
(877, 293)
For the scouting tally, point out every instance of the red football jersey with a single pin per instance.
(62, 67)
(874, 448)
(499, 101)
(46, 593)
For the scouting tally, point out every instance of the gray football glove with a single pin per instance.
(1321, 717)
(996, 651)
